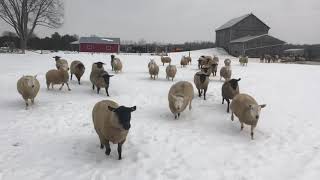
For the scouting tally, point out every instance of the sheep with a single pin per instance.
(225, 72)
(111, 62)
(61, 62)
(227, 62)
(214, 69)
(152, 61)
(179, 96)
(184, 61)
(77, 68)
(112, 124)
(201, 61)
(206, 69)
(171, 71)
(229, 90)
(99, 77)
(117, 65)
(28, 87)
(247, 110)
(188, 59)
(165, 60)
(153, 70)
(243, 60)
(267, 58)
(60, 76)
(201, 80)
(216, 59)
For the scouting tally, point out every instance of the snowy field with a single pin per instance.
(55, 138)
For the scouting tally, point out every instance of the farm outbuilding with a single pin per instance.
(247, 35)
(99, 44)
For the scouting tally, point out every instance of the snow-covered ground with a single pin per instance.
(55, 138)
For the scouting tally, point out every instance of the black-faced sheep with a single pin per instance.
(201, 80)
(179, 97)
(229, 90)
(247, 110)
(112, 124)
(28, 87)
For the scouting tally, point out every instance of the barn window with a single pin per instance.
(90, 46)
(108, 47)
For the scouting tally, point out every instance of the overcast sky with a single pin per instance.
(294, 21)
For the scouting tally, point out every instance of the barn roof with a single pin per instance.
(249, 38)
(99, 40)
(235, 21)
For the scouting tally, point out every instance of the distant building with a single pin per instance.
(99, 44)
(247, 35)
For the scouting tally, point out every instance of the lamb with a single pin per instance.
(165, 60)
(61, 62)
(153, 70)
(184, 61)
(243, 60)
(229, 90)
(201, 80)
(77, 68)
(227, 62)
(171, 71)
(96, 70)
(112, 124)
(28, 87)
(60, 76)
(247, 110)
(225, 72)
(180, 95)
(117, 65)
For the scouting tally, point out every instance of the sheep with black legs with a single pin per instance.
(180, 96)
(112, 123)
(229, 90)
(201, 80)
(96, 70)
(77, 68)
(247, 110)
(28, 87)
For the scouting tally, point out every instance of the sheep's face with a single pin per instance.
(255, 110)
(31, 81)
(106, 77)
(178, 103)
(124, 115)
(99, 64)
(234, 83)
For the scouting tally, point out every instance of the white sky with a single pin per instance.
(294, 21)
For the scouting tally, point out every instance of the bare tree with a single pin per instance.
(25, 15)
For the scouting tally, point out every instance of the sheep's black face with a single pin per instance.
(124, 115)
(99, 64)
(106, 77)
(202, 77)
(234, 83)
(57, 58)
(80, 66)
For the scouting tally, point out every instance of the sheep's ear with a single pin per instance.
(111, 109)
(263, 105)
(133, 108)
(110, 75)
(239, 79)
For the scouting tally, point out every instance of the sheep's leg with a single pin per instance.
(61, 86)
(232, 116)
(252, 128)
(190, 104)
(101, 146)
(228, 101)
(172, 79)
(204, 93)
(48, 85)
(241, 126)
(98, 90)
(107, 91)
(51, 85)
(178, 115)
(92, 86)
(199, 92)
(222, 100)
(71, 76)
(32, 100)
(27, 104)
(120, 150)
(108, 149)
(68, 87)
(78, 81)
(175, 116)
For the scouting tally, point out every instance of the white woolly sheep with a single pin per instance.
(243, 60)
(227, 62)
(28, 87)
(201, 80)
(77, 68)
(153, 71)
(179, 97)
(184, 61)
(165, 60)
(61, 63)
(225, 72)
(229, 90)
(171, 71)
(60, 76)
(152, 61)
(117, 65)
(247, 110)
(112, 124)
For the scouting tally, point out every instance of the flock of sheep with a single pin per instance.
(112, 122)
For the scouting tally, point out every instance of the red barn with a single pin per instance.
(99, 44)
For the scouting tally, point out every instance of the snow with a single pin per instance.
(107, 40)
(55, 138)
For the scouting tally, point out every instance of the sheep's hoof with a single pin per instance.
(120, 158)
(101, 146)
(108, 151)
(69, 89)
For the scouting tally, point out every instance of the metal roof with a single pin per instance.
(247, 38)
(233, 22)
(99, 40)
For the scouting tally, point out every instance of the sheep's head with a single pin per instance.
(124, 115)
(255, 110)
(106, 77)
(31, 81)
(178, 102)
(80, 66)
(56, 58)
(202, 77)
(234, 83)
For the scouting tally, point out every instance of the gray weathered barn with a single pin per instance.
(247, 35)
